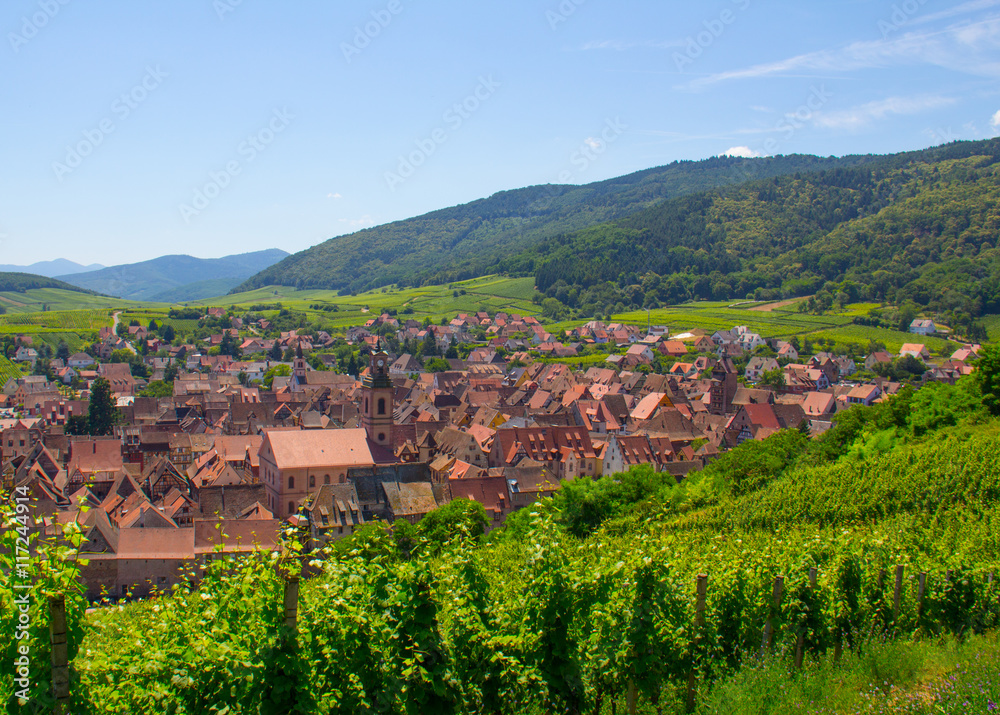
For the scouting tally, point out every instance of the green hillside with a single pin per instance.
(167, 275)
(922, 230)
(473, 239)
(23, 282)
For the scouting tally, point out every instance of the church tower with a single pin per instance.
(298, 370)
(376, 400)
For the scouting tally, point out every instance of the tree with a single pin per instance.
(775, 379)
(437, 365)
(987, 376)
(62, 351)
(275, 353)
(283, 370)
(103, 413)
(441, 524)
(158, 389)
(168, 333)
(452, 352)
(430, 345)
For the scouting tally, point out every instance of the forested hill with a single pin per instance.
(22, 282)
(472, 239)
(921, 227)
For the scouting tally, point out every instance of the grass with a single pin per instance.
(893, 339)
(931, 676)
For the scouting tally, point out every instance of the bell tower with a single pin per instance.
(377, 398)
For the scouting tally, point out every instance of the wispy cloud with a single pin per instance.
(365, 220)
(969, 48)
(622, 45)
(995, 121)
(963, 9)
(859, 116)
(742, 151)
(334, 196)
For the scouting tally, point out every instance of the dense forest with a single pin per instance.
(917, 232)
(472, 239)
(23, 282)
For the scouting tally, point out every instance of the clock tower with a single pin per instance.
(376, 399)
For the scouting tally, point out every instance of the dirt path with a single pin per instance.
(768, 307)
(13, 302)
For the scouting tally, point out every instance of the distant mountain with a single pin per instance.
(17, 282)
(475, 238)
(198, 290)
(51, 269)
(181, 277)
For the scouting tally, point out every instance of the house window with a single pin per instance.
(291, 508)
(326, 478)
(312, 480)
(381, 405)
(291, 482)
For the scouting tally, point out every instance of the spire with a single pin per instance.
(378, 344)
(298, 350)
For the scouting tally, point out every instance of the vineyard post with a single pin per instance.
(292, 603)
(800, 642)
(897, 595)
(60, 653)
(779, 585)
(921, 586)
(699, 625)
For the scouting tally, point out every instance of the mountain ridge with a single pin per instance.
(147, 279)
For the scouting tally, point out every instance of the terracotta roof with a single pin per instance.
(318, 448)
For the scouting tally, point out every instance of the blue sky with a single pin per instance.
(210, 127)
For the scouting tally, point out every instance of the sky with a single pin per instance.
(134, 129)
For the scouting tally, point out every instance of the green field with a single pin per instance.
(55, 299)
(8, 370)
(75, 316)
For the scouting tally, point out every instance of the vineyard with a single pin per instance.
(55, 321)
(8, 371)
(631, 589)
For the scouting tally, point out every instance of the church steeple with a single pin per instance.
(377, 398)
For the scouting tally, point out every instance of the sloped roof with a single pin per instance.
(302, 449)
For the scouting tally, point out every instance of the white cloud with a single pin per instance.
(859, 116)
(968, 48)
(365, 220)
(334, 196)
(742, 151)
(995, 121)
(593, 143)
(621, 45)
(962, 9)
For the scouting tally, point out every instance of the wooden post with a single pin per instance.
(292, 603)
(779, 587)
(800, 642)
(921, 585)
(699, 625)
(897, 595)
(60, 653)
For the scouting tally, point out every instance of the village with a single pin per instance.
(284, 437)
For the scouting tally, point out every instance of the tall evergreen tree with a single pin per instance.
(103, 413)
